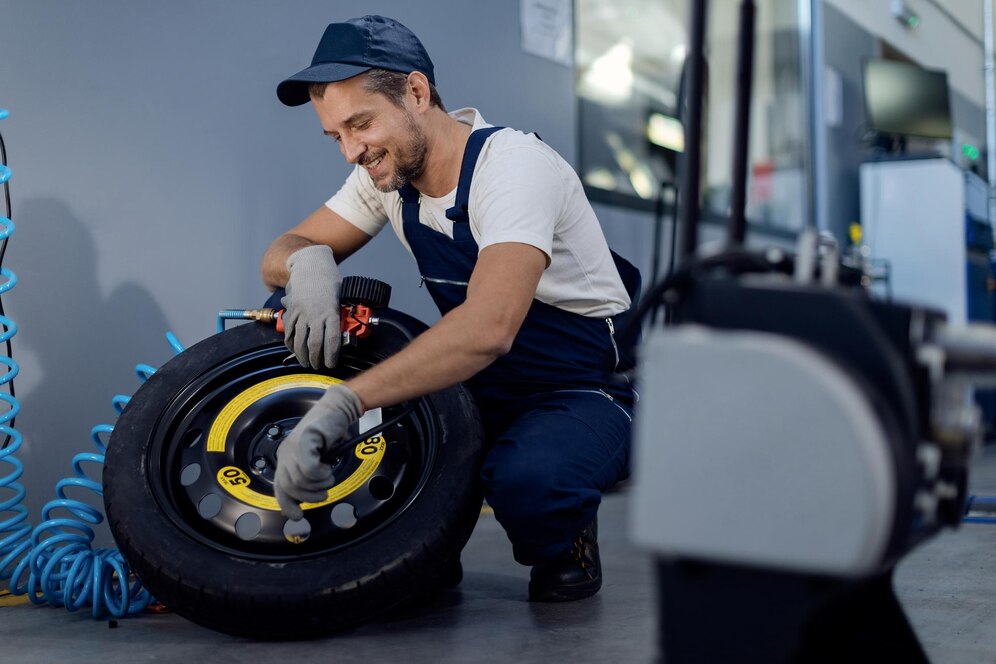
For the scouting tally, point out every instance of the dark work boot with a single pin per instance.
(574, 574)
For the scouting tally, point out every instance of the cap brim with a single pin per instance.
(294, 90)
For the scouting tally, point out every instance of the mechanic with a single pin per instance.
(510, 251)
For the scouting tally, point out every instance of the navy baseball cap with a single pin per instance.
(353, 47)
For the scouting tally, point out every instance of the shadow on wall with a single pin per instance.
(77, 347)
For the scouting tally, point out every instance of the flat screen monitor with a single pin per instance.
(904, 99)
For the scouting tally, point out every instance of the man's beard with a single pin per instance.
(409, 162)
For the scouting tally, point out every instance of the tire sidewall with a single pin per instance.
(310, 594)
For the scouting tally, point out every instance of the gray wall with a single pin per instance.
(153, 164)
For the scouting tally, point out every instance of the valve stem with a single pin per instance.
(264, 315)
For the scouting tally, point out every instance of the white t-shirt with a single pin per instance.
(522, 191)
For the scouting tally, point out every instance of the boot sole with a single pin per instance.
(563, 594)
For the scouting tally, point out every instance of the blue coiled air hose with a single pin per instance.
(14, 526)
(55, 563)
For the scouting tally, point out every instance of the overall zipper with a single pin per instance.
(434, 280)
(612, 338)
(615, 349)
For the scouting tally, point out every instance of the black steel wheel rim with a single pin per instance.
(212, 455)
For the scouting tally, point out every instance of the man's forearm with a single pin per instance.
(274, 264)
(456, 348)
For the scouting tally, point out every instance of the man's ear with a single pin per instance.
(418, 90)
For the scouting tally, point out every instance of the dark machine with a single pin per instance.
(795, 437)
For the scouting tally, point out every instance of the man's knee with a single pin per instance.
(516, 483)
(525, 490)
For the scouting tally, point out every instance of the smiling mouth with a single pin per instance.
(371, 165)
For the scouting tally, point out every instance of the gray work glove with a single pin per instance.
(301, 475)
(312, 330)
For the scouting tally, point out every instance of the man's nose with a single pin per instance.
(352, 149)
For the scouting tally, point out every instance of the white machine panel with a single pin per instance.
(913, 214)
(753, 449)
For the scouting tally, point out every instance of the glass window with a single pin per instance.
(630, 58)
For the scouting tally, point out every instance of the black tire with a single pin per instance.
(409, 528)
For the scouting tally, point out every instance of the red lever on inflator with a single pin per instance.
(355, 320)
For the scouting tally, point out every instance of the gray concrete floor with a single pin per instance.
(948, 587)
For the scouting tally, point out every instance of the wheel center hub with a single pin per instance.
(263, 448)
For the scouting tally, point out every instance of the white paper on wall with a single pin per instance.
(547, 29)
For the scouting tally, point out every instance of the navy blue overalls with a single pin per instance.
(556, 411)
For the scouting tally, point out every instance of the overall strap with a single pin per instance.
(458, 213)
(409, 204)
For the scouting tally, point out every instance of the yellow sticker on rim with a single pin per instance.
(218, 435)
(236, 481)
(370, 452)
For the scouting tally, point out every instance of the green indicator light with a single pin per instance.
(914, 21)
(970, 151)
